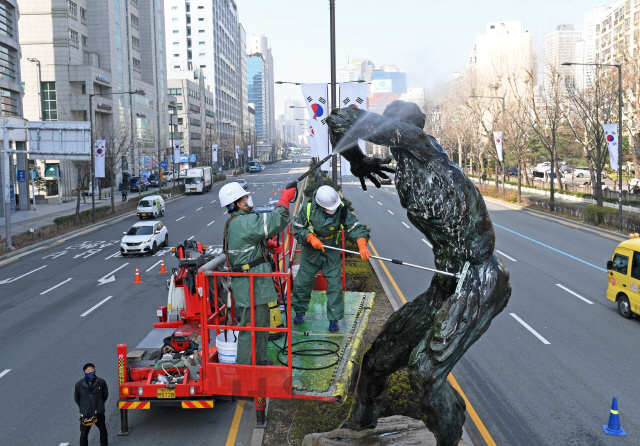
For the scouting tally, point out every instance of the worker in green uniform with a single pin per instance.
(319, 222)
(245, 245)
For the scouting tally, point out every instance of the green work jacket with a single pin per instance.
(246, 235)
(325, 227)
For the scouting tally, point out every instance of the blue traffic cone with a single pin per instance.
(614, 428)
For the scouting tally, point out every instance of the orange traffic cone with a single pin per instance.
(274, 191)
(163, 270)
(137, 276)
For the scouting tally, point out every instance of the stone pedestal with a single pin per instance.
(397, 431)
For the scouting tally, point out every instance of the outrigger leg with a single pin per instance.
(124, 422)
(261, 406)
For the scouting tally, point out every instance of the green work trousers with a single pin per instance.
(330, 264)
(244, 337)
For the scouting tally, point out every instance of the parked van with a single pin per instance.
(151, 206)
(624, 278)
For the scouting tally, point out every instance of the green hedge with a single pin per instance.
(237, 172)
(219, 177)
(83, 216)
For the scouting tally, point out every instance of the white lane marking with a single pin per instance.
(390, 212)
(12, 279)
(503, 254)
(525, 325)
(211, 223)
(4, 373)
(180, 218)
(63, 444)
(371, 195)
(95, 306)
(151, 267)
(575, 294)
(191, 237)
(425, 240)
(405, 224)
(213, 201)
(199, 208)
(112, 255)
(379, 203)
(54, 287)
(109, 277)
(162, 252)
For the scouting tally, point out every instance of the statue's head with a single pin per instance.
(341, 119)
(405, 112)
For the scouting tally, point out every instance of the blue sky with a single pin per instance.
(428, 39)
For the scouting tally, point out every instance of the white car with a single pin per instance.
(242, 183)
(144, 237)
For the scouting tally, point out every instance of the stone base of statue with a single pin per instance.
(397, 431)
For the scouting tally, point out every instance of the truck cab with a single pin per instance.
(254, 166)
(623, 273)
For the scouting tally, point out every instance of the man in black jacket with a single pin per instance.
(90, 395)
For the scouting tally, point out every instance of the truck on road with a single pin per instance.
(198, 179)
(254, 166)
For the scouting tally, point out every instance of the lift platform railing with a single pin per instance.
(241, 380)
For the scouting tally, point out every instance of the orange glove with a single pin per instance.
(364, 251)
(315, 241)
(274, 246)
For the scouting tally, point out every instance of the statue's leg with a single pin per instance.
(458, 324)
(389, 352)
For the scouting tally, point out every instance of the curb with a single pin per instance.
(69, 235)
(516, 207)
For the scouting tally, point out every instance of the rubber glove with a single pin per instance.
(364, 251)
(315, 241)
(286, 197)
(274, 246)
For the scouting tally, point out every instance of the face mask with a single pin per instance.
(250, 201)
(90, 376)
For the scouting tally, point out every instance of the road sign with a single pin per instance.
(22, 177)
(192, 158)
(164, 164)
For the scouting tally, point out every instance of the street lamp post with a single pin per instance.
(37, 62)
(619, 67)
(332, 26)
(504, 153)
(93, 160)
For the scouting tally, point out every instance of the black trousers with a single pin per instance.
(84, 432)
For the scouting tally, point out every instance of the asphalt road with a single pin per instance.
(56, 316)
(551, 384)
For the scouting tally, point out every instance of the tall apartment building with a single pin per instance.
(257, 77)
(101, 48)
(586, 49)
(11, 91)
(259, 45)
(617, 31)
(203, 37)
(245, 126)
(356, 70)
(504, 49)
(196, 117)
(560, 47)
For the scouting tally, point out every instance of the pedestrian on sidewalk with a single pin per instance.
(483, 178)
(90, 395)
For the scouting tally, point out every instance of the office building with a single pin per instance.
(203, 38)
(560, 47)
(100, 48)
(259, 46)
(257, 93)
(356, 70)
(388, 79)
(617, 32)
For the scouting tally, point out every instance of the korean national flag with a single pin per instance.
(214, 153)
(177, 144)
(611, 135)
(99, 147)
(352, 95)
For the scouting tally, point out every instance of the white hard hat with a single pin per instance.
(229, 193)
(328, 198)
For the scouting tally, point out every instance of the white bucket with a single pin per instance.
(294, 271)
(227, 350)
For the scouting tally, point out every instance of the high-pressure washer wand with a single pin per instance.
(305, 175)
(399, 262)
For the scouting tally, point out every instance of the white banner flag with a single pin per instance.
(249, 151)
(315, 96)
(214, 153)
(99, 147)
(237, 151)
(497, 138)
(352, 95)
(611, 135)
(177, 144)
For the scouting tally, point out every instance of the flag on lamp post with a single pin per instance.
(497, 139)
(214, 153)
(99, 147)
(177, 144)
(611, 135)
(237, 151)
(249, 151)
(315, 96)
(352, 95)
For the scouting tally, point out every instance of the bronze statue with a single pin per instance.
(431, 333)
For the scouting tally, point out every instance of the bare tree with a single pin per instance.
(117, 147)
(631, 96)
(586, 112)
